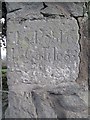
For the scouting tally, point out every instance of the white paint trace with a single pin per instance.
(3, 49)
(2, 20)
(3, 53)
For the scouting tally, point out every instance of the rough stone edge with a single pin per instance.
(45, 1)
(0, 67)
(82, 78)
(83, 42)
(81, 25)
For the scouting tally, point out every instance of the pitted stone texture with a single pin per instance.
(11, 7)
(43, 63)
(76, 9)
(0, 105)
(38, 103)
(42, 51)
(20, 106)
(0, 73)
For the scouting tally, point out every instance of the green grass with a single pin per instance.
(4, 71)
(4, 79)
(4, 67)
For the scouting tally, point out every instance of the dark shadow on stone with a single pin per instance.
(4, 71)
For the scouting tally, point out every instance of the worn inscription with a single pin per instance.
(47, 51)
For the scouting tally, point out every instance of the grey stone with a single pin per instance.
(0, 105)
(40, 104)
(12, 7)
(46, 1)
(43, 108)
(4, 103)
(48, 56)
(21, 106)
(43, 47)
(72, 103)
(74, 8)
(65, 89)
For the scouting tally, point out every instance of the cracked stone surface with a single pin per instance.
(43, 61)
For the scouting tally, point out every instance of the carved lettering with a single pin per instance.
(45, 50)
(54, 53)
(27, 94)
(35, 37)
(61, 35)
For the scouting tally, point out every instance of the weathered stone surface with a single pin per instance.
(43, 47)
(84, 45)
(71, 103)
(42, 104)
(65, 89)
(21, 106)
(43, 55)
(12, 7)
(46, 1)
(43, 108)
(4, 103)
(0, 105)
(75, 9)
(0, 91)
